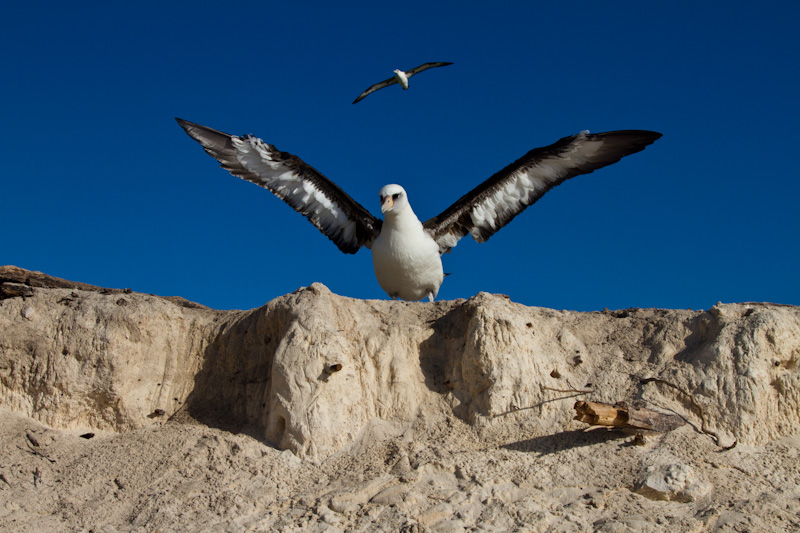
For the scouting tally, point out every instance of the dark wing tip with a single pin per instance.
(368, 92)
(644, 135)
(627, 142)
(188, 127)
(214, 142)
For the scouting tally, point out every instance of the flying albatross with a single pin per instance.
(400, 77)
(406, 253)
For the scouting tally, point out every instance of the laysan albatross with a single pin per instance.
(406, 253)
(400, 77)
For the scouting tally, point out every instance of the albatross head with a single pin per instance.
(393, 198)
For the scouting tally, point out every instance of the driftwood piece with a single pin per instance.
(17, 282)
(30, 278)
(10, 289)
(624, 417)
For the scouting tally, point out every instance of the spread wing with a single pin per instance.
(372, 89)
(426, 66)
(322, 202)
(496, 201)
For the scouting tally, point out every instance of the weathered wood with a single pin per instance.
(17, 282)
(624, 417)
(10, 289)
(32, 278)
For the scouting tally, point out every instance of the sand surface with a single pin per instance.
(178, 476)
(122, 411)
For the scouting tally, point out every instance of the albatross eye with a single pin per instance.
(395, 196)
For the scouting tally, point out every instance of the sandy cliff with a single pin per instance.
(446, 416)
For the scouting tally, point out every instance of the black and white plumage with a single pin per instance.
(400, 77)
(406, 253)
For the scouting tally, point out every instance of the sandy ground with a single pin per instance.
(442, 475)
(455, 416)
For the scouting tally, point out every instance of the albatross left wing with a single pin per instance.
(343, 220)
(495, 202)
(376, 87)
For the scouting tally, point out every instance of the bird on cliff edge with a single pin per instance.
(406, 253)
(400, 77)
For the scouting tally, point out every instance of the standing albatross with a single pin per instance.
(400, 77)
(406, 253)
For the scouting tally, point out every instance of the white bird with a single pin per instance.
(400, 77)
(406, 253)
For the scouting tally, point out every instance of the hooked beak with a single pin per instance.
(387, 203)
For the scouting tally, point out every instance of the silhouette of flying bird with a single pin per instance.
(399, 77)
(406, 253)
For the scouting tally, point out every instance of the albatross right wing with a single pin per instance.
(343, 220)
(495, 202)
(426, 66)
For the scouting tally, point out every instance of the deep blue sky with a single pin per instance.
(100, 184)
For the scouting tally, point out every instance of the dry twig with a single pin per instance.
(697, 408)
(568, 391)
